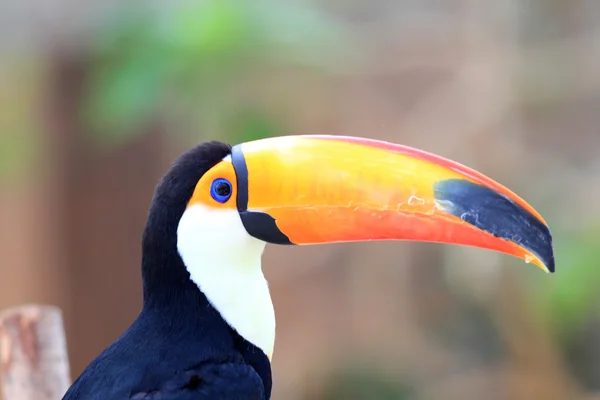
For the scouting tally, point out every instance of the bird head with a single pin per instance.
(302, 190)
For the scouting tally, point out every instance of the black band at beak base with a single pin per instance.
(260, 225)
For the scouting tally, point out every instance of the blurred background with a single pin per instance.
(98, 98)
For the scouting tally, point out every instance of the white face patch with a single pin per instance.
(224, 261)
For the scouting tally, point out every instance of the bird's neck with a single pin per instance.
(198, 278)
(187, 311)
(231, 279)
(240, 293)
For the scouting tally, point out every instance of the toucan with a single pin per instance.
(207, 326)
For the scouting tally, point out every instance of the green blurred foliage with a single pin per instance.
(17, 151)
(571, 298)
(19, 104)
(252, 125)
(364, 384)
(181, 62)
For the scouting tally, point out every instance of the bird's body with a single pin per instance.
(165, 353)
(207, 327)
(166, 358)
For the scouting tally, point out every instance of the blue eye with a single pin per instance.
(220, 190)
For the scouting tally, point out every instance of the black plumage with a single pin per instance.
(179, 347)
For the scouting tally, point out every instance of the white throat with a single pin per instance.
(224, 261)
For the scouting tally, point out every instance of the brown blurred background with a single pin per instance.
(97, 99)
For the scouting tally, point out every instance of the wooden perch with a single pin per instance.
(33, 354)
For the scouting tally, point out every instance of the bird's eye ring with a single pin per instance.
(220, 190)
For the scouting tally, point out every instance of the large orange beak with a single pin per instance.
(323, 189)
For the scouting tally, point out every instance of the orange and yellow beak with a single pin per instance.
(322, 189)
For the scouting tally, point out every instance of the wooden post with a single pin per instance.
(33, 354)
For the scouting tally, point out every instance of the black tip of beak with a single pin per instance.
(496, 214)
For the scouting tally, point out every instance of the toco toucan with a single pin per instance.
(207, 327)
